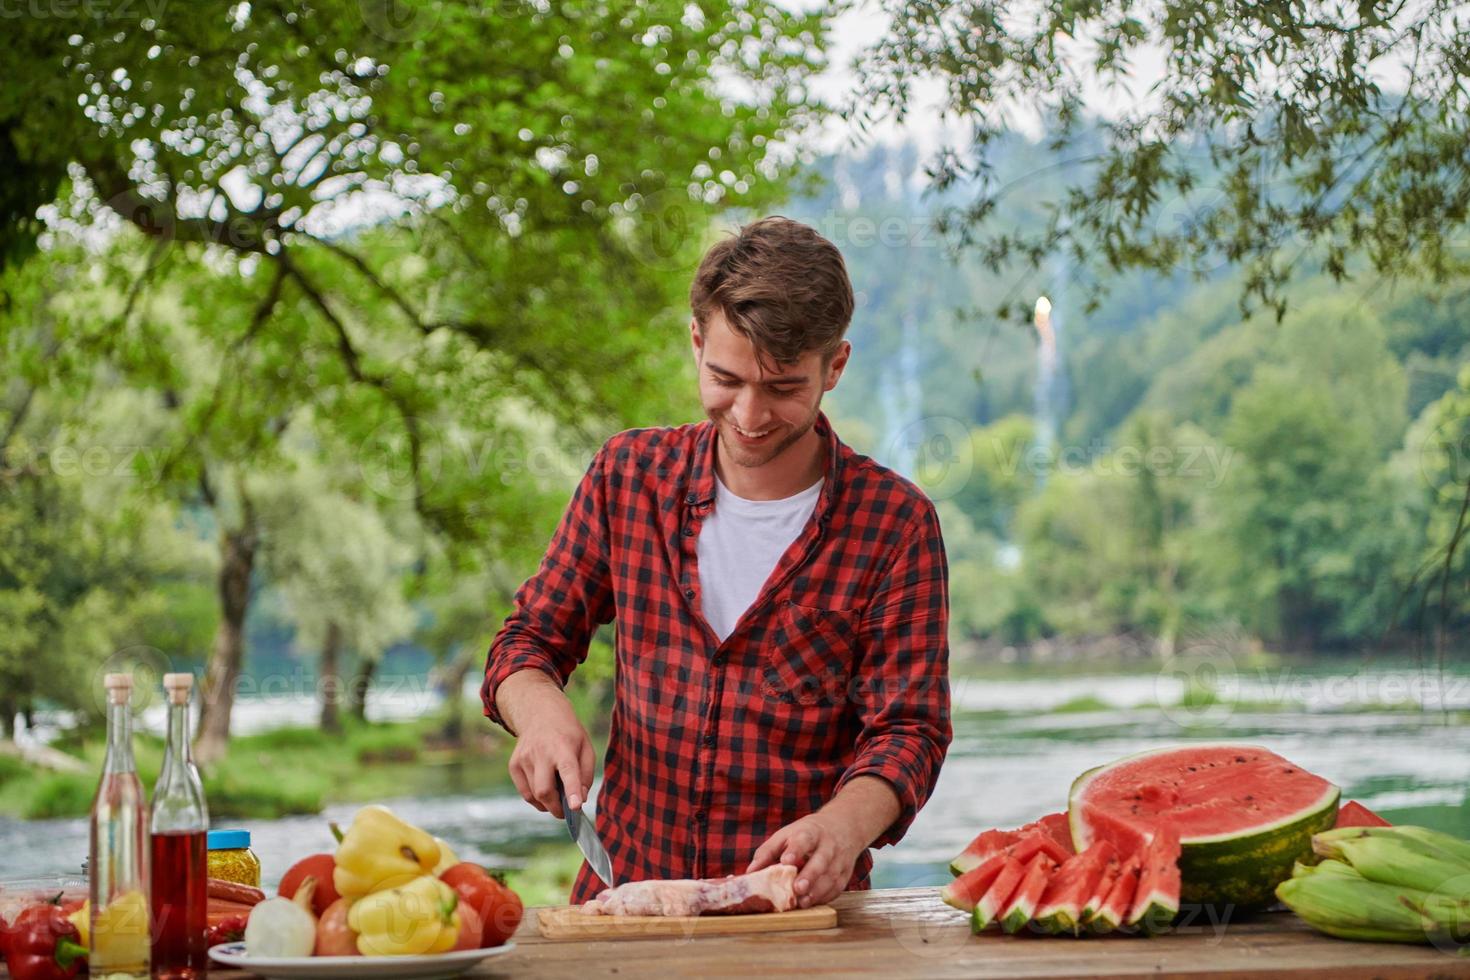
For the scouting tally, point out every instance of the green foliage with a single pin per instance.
(1267, 141)
(61, 795)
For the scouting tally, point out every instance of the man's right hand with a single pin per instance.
(550, 741)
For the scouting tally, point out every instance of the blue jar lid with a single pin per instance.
(227, 840)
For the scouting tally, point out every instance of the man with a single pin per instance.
(781, 604)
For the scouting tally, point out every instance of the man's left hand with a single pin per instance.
(823, 846)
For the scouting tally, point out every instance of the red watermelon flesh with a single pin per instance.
(966, 890)
(998, 894)
(1208, 792)
(1060, 908)
(1021, 909)
(1244, 814)
(1033, 844)
(1115, 908)
(1156, 901)
(989, 843)
(1355, 814)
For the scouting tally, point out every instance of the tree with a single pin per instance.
(388, 232)
(1267, 143)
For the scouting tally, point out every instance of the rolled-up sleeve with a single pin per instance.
(903, 685)
(559, 608)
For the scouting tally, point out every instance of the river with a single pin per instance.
(1394, 737)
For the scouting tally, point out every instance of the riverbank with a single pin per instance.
(278, 773)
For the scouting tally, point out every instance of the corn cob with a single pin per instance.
(1431, 843)
(1391, 861)
(1354, 908)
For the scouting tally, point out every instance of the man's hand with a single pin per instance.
(824, 846)
(550, 741)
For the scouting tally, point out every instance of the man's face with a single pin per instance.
(761, 409)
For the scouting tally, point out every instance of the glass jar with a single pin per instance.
(231, 859)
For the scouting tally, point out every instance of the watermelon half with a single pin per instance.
(1244, 815)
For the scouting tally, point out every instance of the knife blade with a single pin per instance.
(580, 825)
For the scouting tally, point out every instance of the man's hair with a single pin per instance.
(779, 284)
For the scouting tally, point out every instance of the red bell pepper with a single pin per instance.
(44, 945)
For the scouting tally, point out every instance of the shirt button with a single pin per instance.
(688, 530)
(699, 816)
(689, 593)
(689, 499)
(719, 660)
(709, 739)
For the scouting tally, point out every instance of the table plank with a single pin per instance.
(908, 932)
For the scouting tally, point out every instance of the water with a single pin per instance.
(1013, 757)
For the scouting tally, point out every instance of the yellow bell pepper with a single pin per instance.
(419, 917)
(381, 851)
(82, 919)
(447, 858)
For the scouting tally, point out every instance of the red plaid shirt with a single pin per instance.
(838, 669)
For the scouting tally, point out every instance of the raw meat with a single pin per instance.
(770, 889)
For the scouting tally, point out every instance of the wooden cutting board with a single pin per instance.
(570, 922)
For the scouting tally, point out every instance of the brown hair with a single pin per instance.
(779, 284)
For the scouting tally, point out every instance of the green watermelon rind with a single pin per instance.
(1240, 870)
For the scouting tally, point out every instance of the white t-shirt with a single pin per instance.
(739, 546)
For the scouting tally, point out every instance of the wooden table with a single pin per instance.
(908, 932)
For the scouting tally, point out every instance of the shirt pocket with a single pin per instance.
(810, 656)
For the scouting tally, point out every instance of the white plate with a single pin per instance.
(450, 964)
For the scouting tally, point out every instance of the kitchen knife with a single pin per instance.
(579, 823)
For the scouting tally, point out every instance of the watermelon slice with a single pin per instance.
(1060, 908)
(1244, 815)
(1053, 826)
(1355, 814)
(1156, 901)
(1105, 883)
(989, 905)
(966, 890)
(1021, 909)
(1119, 903)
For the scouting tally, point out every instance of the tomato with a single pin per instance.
(333, 936)
(318, 866)
(470, 929)
(499, 908)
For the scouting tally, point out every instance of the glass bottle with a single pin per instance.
(179, 828)
(117, 862)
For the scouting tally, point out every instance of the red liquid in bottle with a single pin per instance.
(180, 901)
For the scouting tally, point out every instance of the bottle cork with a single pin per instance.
(119, 688)
(178, 687)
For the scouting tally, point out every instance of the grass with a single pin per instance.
(277, 773)
(547, 876)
